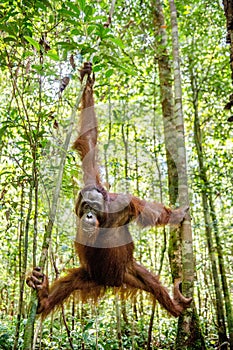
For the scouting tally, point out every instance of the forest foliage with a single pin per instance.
(42, 47)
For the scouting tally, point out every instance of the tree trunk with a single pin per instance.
(125, 138)
(109, 137)
(189, 335)
(226, 292)
(207, 212)
(118, 318)
(228, 8)
(21, 271)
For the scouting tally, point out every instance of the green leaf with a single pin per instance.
(90, 29)
(118, 42)
(33, 42)
(88, 326)
(88, 10)
(82, 4)
(76, 31)
(9, 38)
(73, 8)
(66, 45)
(68, 13)
(53, 55)
(98, 67)
(27, 54)
(101, 31)
(38, 68)
(3, 130)
(109, 72)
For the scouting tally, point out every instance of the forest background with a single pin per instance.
(43, 45)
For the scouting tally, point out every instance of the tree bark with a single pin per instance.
(20, 267)
(222, 269)
(189, 335)
(210, 221)
(228, 9)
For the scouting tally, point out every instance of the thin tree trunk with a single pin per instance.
(189, 335)
(228, 8)
(207, 218)
(125, 138)
(118, 317)
(222, 269)
(166, 93)
(136, 159)
(150, 329)
(163, 249)
(36, 187)
(21, 277)
(109, 137)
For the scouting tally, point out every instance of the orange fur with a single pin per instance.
(103, 242)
